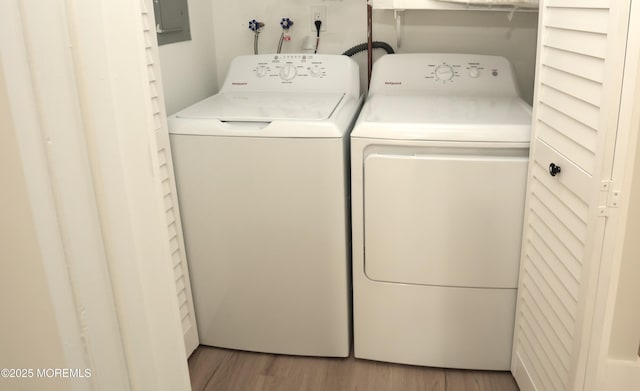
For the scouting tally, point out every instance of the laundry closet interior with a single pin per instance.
(336, 194)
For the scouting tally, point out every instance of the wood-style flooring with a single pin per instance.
(214, 369)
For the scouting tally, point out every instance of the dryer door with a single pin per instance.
(446, 218)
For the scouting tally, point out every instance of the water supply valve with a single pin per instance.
(286, 23)
(255, 26)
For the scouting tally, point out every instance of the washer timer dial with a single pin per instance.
(288, 72)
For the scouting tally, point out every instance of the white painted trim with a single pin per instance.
(15, 67)
(60, 188)
(109, 52)
(603, 373)
(518, 369)
(596, 262)
(77, 80)
(608, 137)
(521, 373)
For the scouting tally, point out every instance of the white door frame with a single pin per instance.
(604, 373)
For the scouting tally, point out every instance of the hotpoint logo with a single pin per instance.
(239, 83)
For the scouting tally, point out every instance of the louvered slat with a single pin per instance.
(577, 132)
(170, 215)
(573, 179)
(537, 247)
(584, 158)
(559, 339)
(569, 198)
(538, 308)
(594, 45)
(590, 68)
(578, 87)
(536, 361)
(556, 227)
(578, 3)
(555, 244)
(167, 185)
(555, 287)
(589, 20)
(545, 288)
(176, 258)
(573, 223)
(552, 366)
(576, 109)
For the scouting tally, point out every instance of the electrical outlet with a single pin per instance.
(318, 12)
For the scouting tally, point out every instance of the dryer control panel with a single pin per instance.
(444, 74)
(293, 72)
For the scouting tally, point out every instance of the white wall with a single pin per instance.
(622, 371)
(424, 31)
(346, 26)
(189, 68)
(625, 335)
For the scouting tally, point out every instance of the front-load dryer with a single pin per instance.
(262, 177)
(439, 160)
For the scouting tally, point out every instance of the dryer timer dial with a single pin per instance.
(444, 72)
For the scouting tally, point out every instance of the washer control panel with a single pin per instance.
(293, 72)
(288, 68)
(444, 74)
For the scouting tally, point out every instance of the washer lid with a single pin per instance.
(264, 107)
(445, 118)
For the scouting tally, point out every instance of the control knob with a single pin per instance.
(444, 72)
(288, 72)
(315, 71)
(261, 71)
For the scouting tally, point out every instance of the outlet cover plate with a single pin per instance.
(318, 12)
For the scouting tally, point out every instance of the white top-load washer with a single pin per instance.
(439, 160)
(262, 171)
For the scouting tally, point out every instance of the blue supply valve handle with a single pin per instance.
(286, 23)
(254, 25)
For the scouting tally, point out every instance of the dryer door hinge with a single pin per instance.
(610, 197)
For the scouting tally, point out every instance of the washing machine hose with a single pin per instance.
(363, 47)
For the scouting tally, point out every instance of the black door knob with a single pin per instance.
(554, 170)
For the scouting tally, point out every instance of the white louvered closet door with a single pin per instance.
(168, 185)
(581, 47)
